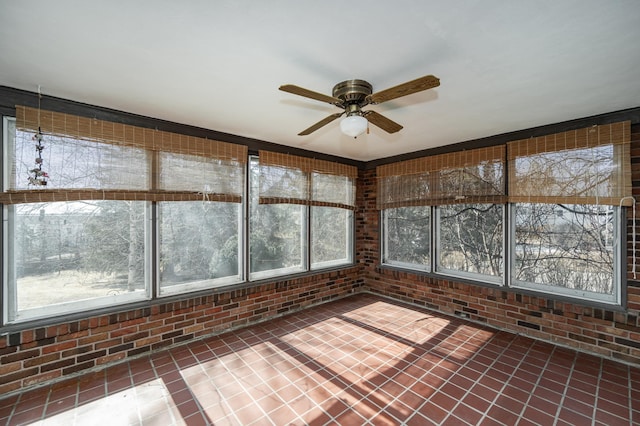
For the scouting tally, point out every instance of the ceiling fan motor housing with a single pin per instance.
(353, 92)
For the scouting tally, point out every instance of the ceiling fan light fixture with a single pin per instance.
(354, 125)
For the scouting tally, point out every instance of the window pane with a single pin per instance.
(331, 235)
(407, 233)
(566, 248)
(199, 245)
(277, 233)
(73, 256)
(470, 239)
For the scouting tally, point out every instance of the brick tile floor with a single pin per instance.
(360, 360)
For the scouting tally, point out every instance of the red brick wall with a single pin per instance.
(39, 355)
(608, 333)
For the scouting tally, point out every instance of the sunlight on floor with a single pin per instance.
(149, 403)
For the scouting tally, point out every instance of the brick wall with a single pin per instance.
(608, 333)
(40, 355)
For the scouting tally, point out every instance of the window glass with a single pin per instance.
(331, 236)
(407, 232)
(470, 239)
(199, 245)
(568, 249)
(75, 255)
(277, 234)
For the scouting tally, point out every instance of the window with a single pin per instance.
(331, 237)
(567, 191)
(200, 241)
(100, 213)
(470, 241)
(464, 190)
(62, 256)
(277, 232)
(83, 237)
(200, 245)
(332, 216)
(301, 214)
(75, 255)
(407, 237)
(567, 249)
(559, 221)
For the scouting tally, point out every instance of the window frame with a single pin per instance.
(618, 296)
(384, 246)
(196, 285)
(349, 246)
(306, 246)
(286, 270)
(474, 276)
(11, 313)
(507, 282)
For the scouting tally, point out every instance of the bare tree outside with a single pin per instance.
(67, 252)
(198, 241)
(330, 235)
(569, 246)
(407, 235)
(276, 231)
(471, 238)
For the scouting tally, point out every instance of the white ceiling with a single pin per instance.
(504, 65)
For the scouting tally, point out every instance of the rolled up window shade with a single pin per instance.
(290, 179)
(91, 129)
(87, 158)
(471, 176)
(215, 179)
(585, 166)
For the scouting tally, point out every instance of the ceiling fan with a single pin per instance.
(353, 95)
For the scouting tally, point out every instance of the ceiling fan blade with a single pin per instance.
(320, 123)
(404, 89)
(381, 121)
(296, 90)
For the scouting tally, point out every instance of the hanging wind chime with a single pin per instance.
(37, 176)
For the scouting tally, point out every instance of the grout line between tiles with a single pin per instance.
(483, 374)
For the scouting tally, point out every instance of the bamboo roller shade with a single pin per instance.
(471, 176)
(305, 164)
(93, 130)
(452, 160)
(303, 186)
(66, 125)
(585, 166)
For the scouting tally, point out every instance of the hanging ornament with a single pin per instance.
(37, 176)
